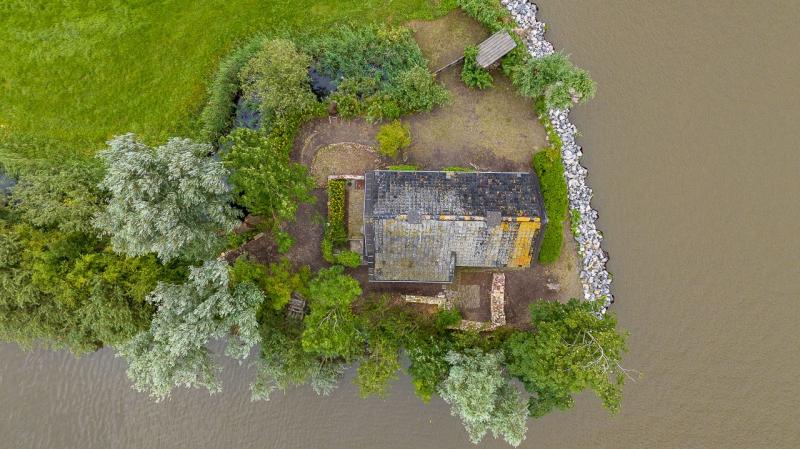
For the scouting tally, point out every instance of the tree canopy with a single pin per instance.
(571, 349)
(173, 351)
(555, 79)
(172, 200)
(331, 328)
(482, 396)
(264, 178)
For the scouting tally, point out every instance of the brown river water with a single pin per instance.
(692, 150)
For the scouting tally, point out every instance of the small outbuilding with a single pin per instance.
(495, 47)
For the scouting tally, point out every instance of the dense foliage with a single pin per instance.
(174, 352)
(331, 328)
(392, 138)
(482, 396)
(378, 70)
(473, 75)
(571, 350)
(276, 79)
(171, 200)
(550, 170)
(555, 79)
(61, 285)
(265, 180)
(490, 13)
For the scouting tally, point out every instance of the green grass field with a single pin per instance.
(73, 74)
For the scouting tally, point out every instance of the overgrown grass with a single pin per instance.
(74, 74)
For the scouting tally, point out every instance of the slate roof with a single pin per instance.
(420, 225)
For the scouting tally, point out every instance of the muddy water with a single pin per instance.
(692, 148)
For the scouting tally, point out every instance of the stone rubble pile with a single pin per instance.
(595, 278)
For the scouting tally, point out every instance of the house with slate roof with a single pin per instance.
(420, 225)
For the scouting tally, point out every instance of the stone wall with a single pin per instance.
(595, 279)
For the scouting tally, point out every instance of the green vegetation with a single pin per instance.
(570, 351)
(482, 396)
(169, 200)
(550, 170)
(459, 169)
(379, 72)
(402, 167)
(331, 329)
(174, 352)
(265, 180)
(554, 79)
(473, 75)
(393, 138)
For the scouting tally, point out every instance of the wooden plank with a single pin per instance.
(495, 47)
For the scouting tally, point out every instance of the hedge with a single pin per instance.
(550, 170)
(217, 115)
(336, 228)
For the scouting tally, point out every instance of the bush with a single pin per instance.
(403, 167)
(336, 227)
(555, 79)
(393, 138)
(217, 115)
(550, 170)
(473, 75)
(490, 13)
(458, 169)
(349, 259)
(416, 90)
(277, 79)
(446, 319)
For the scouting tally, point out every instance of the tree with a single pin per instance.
(172, 200)
(429, 365)
(174, 352)
(284, 362)
(63, 198)
(555, 79)
(482, 397)
(277, 78)
(265, 179)
(331, 328)
(392, 138)
(571, 350)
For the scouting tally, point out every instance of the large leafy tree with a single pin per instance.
(174, 350)
(277, 78)
(555, 79)
(331, 328)
(285, 363)
(264, 178)
(482, 396)
(172, 200)
(571, 350)
(60, 285)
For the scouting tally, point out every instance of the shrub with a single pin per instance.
(217, 116)
(446, 319)
(550, 170)
(349, 259)
(490, 13)
(403, 167)
(555, 79)
(458, 169)
(416, 90)
(393, 138)
(277, 79)
(336, 227)
(473, 75)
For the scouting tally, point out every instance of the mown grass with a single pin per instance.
(74, 74)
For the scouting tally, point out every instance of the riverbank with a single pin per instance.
(595, 278)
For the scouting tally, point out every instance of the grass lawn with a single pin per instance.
(73, 74)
